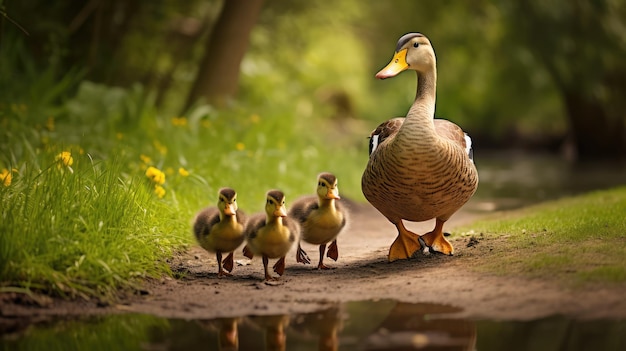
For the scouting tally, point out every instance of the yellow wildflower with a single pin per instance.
(50, 124)
(179, 121)
(206, 123)
(254, 118)
(240, 146)
(183, 172)
(65, 158)
(6, 177)
(169, 171)
(119, 136)
(159, 191)
(145, 159)
(155, 175)
(160, 147)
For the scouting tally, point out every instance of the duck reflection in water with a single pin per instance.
(274, 328)
(227, 331)
(422, 326)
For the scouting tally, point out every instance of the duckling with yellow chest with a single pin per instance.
(321, 219)
(271, 234)
(221, 229)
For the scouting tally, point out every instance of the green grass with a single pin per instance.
(101, 226)
(581, 240)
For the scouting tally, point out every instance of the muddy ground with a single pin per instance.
(362, 272)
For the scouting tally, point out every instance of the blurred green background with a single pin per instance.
(257, 95)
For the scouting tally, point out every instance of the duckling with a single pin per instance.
(221, 229)
(271, 234)
(419, 168)
(321, 219)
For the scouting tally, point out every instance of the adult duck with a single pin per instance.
(419, 168)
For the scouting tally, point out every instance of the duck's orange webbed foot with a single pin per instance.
(436, 241)
(301, 256)
(279, 267)
(247, 252)
(229, 262)
(406, 244)
(333, 251)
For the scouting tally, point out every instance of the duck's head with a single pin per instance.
(414, 52)
(327, 187)
(275, 204)
(227, 202)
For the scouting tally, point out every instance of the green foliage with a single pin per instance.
(579, 239)
(121, 332)
(99, 224)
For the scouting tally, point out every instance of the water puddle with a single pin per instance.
(360, 325)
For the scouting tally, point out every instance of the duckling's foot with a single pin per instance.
(268, 277)
(333, 251)
(302, 257)
(228, 262)
(321, 265)
(247, 252)
(405, 245)
(279, 267)
(223, 273)
(436, 241)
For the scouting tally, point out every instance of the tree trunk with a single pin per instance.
(596, 135)
(218, 75)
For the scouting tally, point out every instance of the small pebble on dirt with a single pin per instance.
(472, 242)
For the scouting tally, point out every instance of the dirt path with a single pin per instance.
(362, 272)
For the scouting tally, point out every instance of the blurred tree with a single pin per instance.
(582, 46)
(218, 74)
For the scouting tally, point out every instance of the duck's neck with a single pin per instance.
(422, 111)
(228, 219)
(274, 220)
(327, 204)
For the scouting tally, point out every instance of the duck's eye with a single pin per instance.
(416, 44)
(321, 184)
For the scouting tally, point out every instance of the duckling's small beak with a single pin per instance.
(333, 193)
(397, 65)
(230, 210)
(280, 211)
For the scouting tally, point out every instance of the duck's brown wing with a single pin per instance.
(204, 220)
(384, 131)
(294, 228)
(254, 223)
(242, 218)
(451, 131)
(302, 208)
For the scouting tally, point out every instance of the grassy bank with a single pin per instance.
(99, 190)
(577, 240)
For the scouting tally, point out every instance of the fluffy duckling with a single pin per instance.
(321, 219)
(271, 234)
(221, 229)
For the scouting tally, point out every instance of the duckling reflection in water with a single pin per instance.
(325, 324)
(321, 219)
(271, 234)
(220, 229)
(228, 333)
(274, 330)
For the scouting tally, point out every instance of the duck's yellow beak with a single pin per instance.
(397, 65)
(280, 211)
(333, 193)
(230, 210)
